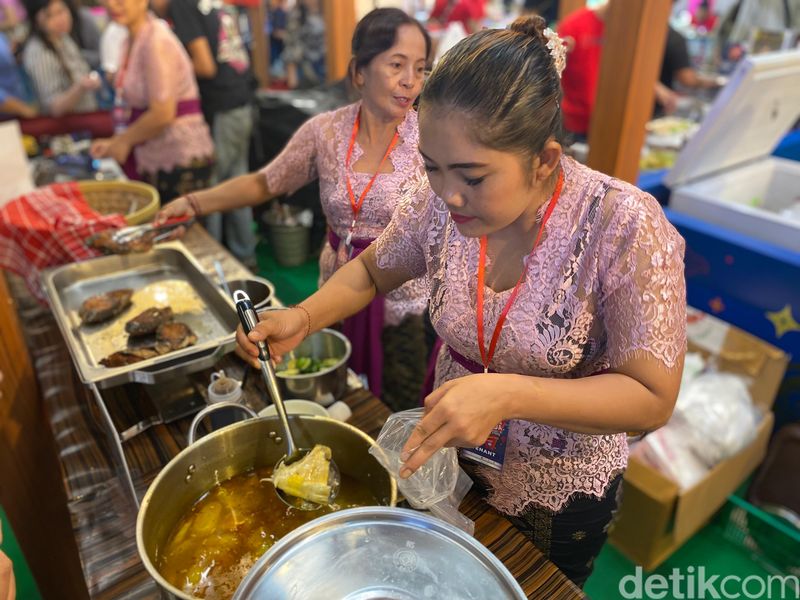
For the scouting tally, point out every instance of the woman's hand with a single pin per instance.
(283, 330)
(180, 207)
(90, 82)
(462, 413)
(114, 147)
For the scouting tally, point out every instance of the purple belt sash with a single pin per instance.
(358, 244)
(182, 109)
(469, 364)
(430, 375)
(365, 329)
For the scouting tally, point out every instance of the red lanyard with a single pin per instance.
(355, 205)
(119, 79)
(486, 358)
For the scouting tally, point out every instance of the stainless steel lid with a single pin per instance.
(378, 553)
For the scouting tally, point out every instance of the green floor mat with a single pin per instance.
(26, 586)
(292, 284)
(707, 549)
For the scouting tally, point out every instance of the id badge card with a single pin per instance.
(120, 113)
(493, 451)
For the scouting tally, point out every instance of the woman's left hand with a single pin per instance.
(114, 147)
(462, 413)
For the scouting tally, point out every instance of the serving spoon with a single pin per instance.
(249, 319)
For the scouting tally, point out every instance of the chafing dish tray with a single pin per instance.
(168, 274)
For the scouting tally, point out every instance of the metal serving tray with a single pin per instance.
(169, 274)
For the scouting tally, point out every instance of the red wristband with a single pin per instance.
(308, 318)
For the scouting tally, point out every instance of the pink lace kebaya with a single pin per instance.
(159, 69)
(317, 151)
(604, 286)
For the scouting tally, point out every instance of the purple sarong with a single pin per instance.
(364, 329)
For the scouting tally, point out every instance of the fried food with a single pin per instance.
(174, 336)
(105, 242)
(148, 321)
(128, 357)
(104, 306)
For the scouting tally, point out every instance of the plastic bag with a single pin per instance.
(438, 486)
(714, 418)
(667, 450)
(720, 415)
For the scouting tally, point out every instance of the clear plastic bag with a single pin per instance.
(714, 418)
(719, 414)
(438, 486)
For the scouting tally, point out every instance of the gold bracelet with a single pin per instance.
(194, 203)
(308, 318)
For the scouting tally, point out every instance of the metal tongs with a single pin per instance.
(129, 234)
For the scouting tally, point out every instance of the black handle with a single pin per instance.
(249, 319)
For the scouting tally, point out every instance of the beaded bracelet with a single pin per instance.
(308, 318)
(194, 204)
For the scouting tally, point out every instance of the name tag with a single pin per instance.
(493, 451)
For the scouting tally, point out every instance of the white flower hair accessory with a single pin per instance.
(558, 50)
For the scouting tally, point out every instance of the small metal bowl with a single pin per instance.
(328, 385)
(260, 290)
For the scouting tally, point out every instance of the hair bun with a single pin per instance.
(536, 27)
(532, 25)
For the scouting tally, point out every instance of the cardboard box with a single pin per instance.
(656, 516)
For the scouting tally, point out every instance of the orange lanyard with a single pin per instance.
(356, 205)
(486, 357)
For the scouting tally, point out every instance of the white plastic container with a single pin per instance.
(725, 175)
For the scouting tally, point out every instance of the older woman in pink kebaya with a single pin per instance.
(365, 156)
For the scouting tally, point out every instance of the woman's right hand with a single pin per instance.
(180, 207)
(283, 330)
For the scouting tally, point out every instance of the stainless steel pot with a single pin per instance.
(236, 449)
(328, 385)
(378, 553)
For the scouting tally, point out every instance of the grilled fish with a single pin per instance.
(174, 336)
(106, 243)
(104, 306)
(146, 322)
(128, 357)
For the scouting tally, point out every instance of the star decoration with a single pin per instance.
(783, 320)
(716, 305)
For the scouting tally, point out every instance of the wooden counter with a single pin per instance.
(103, 511)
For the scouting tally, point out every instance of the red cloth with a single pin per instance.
(48, 227)
(97, 124)
(463, 10)
(583, 31)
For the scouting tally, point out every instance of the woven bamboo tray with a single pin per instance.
(138, 202)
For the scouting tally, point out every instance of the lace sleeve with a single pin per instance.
(296, 165)
(402, 244)
(643, 290)
(161, 65)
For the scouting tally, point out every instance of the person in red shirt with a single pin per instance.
(703, 17)
(582, 31)
(468, 12)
